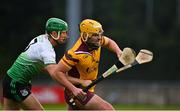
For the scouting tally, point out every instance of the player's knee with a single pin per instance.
(107, 106)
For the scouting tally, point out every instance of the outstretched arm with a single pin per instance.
(112, 46)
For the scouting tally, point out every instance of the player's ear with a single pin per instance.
(84, 36)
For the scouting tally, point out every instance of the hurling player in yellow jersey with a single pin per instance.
(81, 63)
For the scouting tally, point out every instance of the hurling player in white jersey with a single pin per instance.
(38, 55)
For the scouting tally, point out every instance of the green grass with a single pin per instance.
(120, 107)
(54, 107)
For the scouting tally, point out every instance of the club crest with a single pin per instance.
(24, 92)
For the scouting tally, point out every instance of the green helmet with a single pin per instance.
(56, 24)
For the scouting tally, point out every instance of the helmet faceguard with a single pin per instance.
(91, 33)
(93, 40)
(56, 24)
(60, 39)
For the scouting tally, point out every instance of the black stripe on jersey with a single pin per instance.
(35, 41)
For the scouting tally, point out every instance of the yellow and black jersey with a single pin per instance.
(83, 62)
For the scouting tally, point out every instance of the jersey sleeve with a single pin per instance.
(48, 55)
(70, 59)
(104, 41)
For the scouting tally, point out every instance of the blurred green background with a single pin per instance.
(149, 24)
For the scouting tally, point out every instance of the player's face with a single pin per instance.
(62, 37)
(94, 41)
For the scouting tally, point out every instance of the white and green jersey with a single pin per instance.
(36, 56)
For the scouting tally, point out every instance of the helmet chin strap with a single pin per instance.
(56, 38)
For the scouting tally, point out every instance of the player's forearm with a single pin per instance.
(61, 78)
(112, 46)
(74, 81)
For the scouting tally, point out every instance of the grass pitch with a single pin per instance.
(120, 107)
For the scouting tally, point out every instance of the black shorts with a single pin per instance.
(14, 90)
(77, 104)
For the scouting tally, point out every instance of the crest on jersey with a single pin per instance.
(24, 92)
